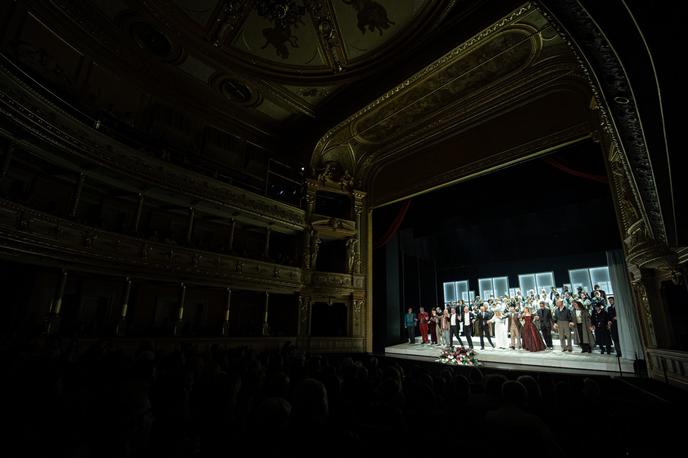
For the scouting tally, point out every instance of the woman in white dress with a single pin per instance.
(501, 331)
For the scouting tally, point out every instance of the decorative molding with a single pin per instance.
(612, 91)
(644, 308)
(49, 239)
(450, 57)
(668, 365)
(336, 282)
(490, 164)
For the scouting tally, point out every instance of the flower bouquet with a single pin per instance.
(459, 357)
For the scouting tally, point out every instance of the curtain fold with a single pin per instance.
(627, 314)
(577, 173)
(394, 226)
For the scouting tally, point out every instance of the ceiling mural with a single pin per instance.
(367, 25)
(294, 42)
(274, 64)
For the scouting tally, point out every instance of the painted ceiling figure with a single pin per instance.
(371, 15)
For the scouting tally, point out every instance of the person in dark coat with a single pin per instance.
(544, 317)
(483, 319)
(600, 321)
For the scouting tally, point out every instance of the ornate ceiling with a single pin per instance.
(517, 72)
(278, 60)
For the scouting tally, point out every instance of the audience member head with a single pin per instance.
(272, 414)
(310, 402)
(514, 393)
(493, 385)
(532, 387)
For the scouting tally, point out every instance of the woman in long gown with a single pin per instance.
(501, 331)
(531, 338)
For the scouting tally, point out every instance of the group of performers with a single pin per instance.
(523, 322)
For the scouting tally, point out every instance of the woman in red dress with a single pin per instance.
(532, 341)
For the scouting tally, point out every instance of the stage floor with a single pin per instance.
(543, 361)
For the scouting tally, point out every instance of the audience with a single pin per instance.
(102, 401)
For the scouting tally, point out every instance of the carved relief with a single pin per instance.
(646, 313)
(284, 15)
(314, 248)
(304, 315)
(351, 254)
(357, 318)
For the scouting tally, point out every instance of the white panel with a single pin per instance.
(544, 280)
(449, 291)
(486, 288)
(501, 286)
(580, 278)
(526, 282)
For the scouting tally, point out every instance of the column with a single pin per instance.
(304, 315)
(77, 193)
(139, 211)
(232, 228)
(121, 328)
(177, 330)
(311, 187)
(54, 314)
(228, 305)
(266, 249)
(358, 209)
(189, 230)
(266, 326)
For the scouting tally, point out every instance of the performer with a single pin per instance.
(582, 327)
(514, 326)
(531, 337)
(613, 325)
(600, 322)
(454, 321)
(432, 325)
(563, 322)
(544, 317)
(423, 318)
(410, 324)
(467, 322)
(484, 318)
(444, 322)
(501, 329)
(597, 288)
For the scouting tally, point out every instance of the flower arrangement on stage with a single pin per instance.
(459, 357)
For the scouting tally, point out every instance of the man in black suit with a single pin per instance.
(467, 318)
(544, 316)
(484, 326)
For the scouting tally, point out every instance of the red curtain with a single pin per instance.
(577, 173)
(394, 226)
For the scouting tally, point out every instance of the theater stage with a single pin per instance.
(544, 361)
